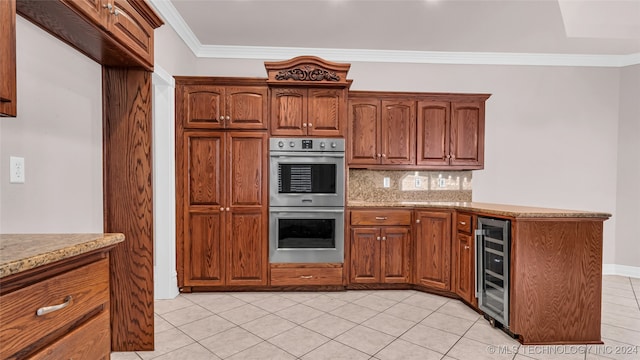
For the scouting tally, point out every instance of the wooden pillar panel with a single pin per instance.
(128, 206)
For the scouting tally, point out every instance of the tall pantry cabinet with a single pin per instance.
(221, 181)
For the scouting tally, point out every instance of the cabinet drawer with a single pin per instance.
(85, 290)
(90, 341)
(464, 223)
(380, 217)
(306, 276)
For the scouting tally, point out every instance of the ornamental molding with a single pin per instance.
(307, 73)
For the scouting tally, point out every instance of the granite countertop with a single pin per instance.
(488, 208)
(20, 252)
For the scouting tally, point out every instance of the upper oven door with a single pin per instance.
(306, 179)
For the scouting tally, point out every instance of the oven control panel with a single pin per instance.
(306, 144)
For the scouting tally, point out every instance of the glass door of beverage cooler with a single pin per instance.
(492, 247)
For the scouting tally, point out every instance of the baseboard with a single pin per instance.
(622, 270)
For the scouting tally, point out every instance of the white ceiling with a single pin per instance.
(218, 28)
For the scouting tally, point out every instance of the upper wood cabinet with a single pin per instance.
(414, 130)
(112, 32)
(8, 105)
(433, 249)
(451, 134)
(381, 131)
(212, 106)
(312, 111)
(308, 97)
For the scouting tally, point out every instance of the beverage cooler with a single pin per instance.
(493, 238)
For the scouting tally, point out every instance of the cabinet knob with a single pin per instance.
(463, 223)
(116, 12)
(108, 6)
(417, 221)
(448, 156)
(384, 155)
(221, 209)
(304, 125)
(228, 117)
(466, 247)
(221, 117)
(227, 209)
(378, 238)
(310, 124)
(384, 238)
(379, 155)
(453, 157)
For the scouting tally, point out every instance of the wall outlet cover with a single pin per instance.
(16, 170)
(386, 182)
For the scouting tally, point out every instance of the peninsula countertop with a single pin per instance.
(21, 252)
(514, 211)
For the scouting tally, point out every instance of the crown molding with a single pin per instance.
(175, 20)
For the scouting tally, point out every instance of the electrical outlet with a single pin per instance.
(442, 182)
(386, 182)
(16, 170)
(418, 182)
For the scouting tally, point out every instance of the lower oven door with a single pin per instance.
(306, 235)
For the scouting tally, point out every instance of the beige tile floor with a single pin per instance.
(382, 325)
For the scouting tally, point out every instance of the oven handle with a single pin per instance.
(478, 262)
(306, 155)
(302, 209)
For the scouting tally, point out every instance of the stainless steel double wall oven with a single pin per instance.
(306, 200)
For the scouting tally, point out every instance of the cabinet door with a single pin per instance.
(246, 246)
(365, 255)
(204, 183)
(247, 156)
(93, 10)
(246, 107)
(8, 56)
(288, 111)
(128, 26)
(433, 249)
(364, 132)
(398, 132)
(202, 106)
(325, 116)
(395, 254)
(467, 134)
(433, 133)
(465, 285)
(204, 249)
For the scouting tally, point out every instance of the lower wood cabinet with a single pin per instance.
(223, 198)
(380, 246)
(61, 312)
(433, 249)
(306, 274)
(464, 258)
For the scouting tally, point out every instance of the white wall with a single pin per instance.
(58, 131)
(627, 252)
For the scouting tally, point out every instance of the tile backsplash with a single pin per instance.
(368, 185)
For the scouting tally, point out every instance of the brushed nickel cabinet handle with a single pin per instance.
(381, 218)
(49, 309)
(306, 276)
(463, 223)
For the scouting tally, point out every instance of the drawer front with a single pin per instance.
(464, 222)
(381, 217)
(90, 341)
(22, 330)
(306, 276)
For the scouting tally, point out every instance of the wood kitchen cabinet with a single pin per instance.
(207, 103)
(450, 133)
(381, 131)
(78, 328)
(8, 105)
(380, 246)
(308, 111)
(463, 258)
(433, 249)
(112, 32)
(223, 178)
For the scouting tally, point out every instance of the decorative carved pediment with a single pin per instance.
(307, 70)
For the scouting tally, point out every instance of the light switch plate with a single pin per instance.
(16, 170)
